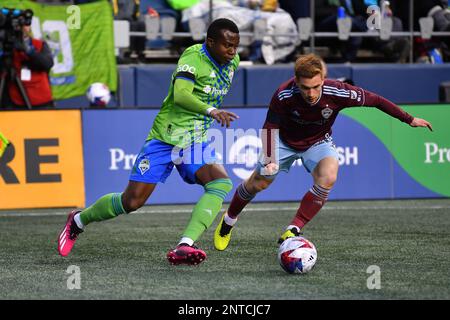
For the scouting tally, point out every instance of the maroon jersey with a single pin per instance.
(301, 124)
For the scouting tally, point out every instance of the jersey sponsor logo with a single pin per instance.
(214, 91)
(326, 113)
(355, 95)
(222, 92)
(186, 68)
(207, 89)
(144, 165)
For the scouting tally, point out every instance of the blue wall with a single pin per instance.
(112, 137)
(403, 83)
(147, 86)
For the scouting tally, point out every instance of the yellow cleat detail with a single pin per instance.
(221, 242)
(288, 234)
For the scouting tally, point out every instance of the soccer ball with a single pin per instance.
(297, 255)
(98, 94)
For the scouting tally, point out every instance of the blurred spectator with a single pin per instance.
(436, 49)
(297, 9)
(165, 7)
(162, 9)
(437, 9)
(31, 63)
(130, 10)
(396, 49)
(244, 13)
(181, 4)
(326, 21)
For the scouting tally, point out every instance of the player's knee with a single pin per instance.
(132, 204)
(221, 186)
(262, 185)
(228, 186)
(258, 184)
(327, 180)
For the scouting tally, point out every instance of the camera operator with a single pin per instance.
(32, 61)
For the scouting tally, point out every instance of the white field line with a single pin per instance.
(265, 209)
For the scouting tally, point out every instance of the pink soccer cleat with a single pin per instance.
(185, 254)
(68, 235)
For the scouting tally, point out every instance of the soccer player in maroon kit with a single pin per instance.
(298, 126)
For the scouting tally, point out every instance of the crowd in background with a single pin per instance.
(281, 17)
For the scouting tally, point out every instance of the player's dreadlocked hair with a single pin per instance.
(221, 24)
(308, 66)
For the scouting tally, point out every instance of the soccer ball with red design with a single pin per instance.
(297, 255)
(98, 94)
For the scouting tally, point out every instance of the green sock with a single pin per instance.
(207, 208)
(107, 207)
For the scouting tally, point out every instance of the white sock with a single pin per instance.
(78, 221)
(229, 221)
(186, 240)
(289, 227)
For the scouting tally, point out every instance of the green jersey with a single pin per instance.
(175, 124)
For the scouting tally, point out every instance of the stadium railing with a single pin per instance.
(165, 27)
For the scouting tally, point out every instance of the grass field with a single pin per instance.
(125, 258)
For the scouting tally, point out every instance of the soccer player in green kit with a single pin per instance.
(178, 138)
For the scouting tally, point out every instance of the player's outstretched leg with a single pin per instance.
(245, 192)
(222, 234)
(311, 203)
(324, 175)
(204, 213)
(107, 207)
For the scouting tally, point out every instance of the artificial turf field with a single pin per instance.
(124, 258)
